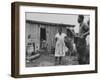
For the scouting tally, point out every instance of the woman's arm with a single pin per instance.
(55, 39)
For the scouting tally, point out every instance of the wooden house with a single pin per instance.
(43, 31)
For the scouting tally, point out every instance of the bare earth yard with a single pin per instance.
(48, 59)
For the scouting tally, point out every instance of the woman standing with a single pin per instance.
(60, 46)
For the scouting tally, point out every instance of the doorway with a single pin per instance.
(42, 37)
(42, 34)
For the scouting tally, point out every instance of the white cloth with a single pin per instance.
(30, 49)
(60, 45)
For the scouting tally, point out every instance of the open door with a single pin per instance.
(42, 37)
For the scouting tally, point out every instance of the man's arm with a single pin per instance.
(86, 27)
(85, 34)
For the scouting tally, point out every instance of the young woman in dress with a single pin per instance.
(60, 46)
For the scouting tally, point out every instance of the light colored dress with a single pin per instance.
(60, 48)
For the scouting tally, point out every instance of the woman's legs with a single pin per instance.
(58, 60)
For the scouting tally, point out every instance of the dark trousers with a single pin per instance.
(83, 56)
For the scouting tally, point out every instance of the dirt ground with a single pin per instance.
(48, 59)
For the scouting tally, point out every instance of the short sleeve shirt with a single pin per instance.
(60, 37)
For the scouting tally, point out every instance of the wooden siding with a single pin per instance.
(34, 30)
